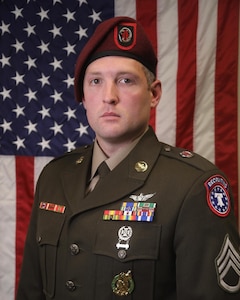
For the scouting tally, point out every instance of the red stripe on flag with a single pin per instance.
(186, 76)
(24, 194)
(226, 94)
(146, 12)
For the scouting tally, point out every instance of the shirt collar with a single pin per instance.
(99, 156)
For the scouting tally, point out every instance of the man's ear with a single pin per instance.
(83, 102)
(156, 89)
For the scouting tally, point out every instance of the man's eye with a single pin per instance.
(95, 81)
(125, 80)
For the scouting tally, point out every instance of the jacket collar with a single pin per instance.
(128, 176)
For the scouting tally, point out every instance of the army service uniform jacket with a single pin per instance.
(160, 226)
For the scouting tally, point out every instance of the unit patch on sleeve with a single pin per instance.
(228, 267)
(217, 195)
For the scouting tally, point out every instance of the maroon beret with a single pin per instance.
(119, 36)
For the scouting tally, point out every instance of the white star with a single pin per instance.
(19, 143)
(5, 93)
(82, 129)
(30, 62)
(4, 28)
(95, 16)
(17, 12)
(69, 48)
(43, 47)
(31, 95)
(29, 29)
(5, 60)
(56, 1)
(18, 78)
(70, 145)
(55, 31)
(57, 128)
(44, 112)
(31, 127)
(18, 46)
(69, 81)
(56, 64)
(43, 14)
(81, 32)
(69, 15)
(6, 126)
(44, 80)
(44, 144)
(70, 113)
(56, 96)
(82, 1)
(19, 111)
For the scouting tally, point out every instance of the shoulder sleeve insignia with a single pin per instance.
(228, 267)
(217, 195)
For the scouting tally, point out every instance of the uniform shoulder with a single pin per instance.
(187, 157)
(75, 154)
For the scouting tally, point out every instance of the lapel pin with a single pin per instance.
(79, 160)
(141, 166)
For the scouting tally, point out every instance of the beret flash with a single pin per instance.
(119, 36)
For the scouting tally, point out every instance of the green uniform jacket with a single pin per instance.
(190, 250)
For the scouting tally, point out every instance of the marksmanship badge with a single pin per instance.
(217, 195)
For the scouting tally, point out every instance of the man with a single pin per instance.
(159, 224)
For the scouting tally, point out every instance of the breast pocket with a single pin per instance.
(125, 247)
(48, 233)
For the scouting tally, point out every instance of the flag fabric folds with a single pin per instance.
(197, 43)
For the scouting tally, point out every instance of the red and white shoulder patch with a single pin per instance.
(217, 195)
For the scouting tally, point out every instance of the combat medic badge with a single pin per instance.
(228, 267)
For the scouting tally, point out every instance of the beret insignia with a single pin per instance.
(125, 35)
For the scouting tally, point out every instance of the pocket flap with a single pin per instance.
(143, 243)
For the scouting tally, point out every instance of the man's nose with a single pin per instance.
(110, 94)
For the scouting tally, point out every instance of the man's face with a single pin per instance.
(118, 99)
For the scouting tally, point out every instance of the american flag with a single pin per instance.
(197, 42)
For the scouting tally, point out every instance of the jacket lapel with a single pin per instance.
(74, 178)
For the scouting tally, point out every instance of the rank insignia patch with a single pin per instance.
(228, 267)
(217, 195)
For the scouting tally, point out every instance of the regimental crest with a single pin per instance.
(217, 195)
(125, 36)
(228, 267)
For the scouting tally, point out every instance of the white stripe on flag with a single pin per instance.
(167, 34)
(204, 129)
(39, 163)
(7, 226)
(125, 8)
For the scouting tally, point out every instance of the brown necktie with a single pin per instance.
(101, 172)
